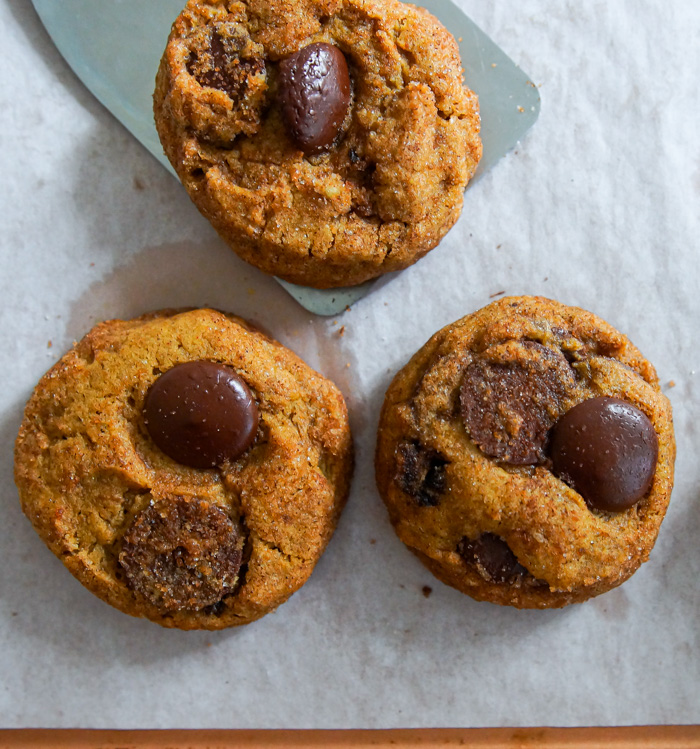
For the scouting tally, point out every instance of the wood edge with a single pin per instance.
(632, 737)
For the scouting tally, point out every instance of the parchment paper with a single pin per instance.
(597, 207)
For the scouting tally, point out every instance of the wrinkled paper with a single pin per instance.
(597, 207)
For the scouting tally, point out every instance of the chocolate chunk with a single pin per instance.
(314, 96)
(606, 449)
(511, 396)
(201, 413)
(224, 67)
(182, 553)
(421, 473)
(492, 558)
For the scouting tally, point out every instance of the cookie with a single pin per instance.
(526, 453)
(185, 467)
(327, 141)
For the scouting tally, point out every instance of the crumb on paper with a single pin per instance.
(498, 246)
(341, 331)
(49, 344)
(251, 291)
(347, 308)
(521, 109)
(546, 278)
(498, 293)
(373, 541)
(494, 65)
(139, 184)
(460, 39)
(426, 590)
(347, 365)
(671, 383)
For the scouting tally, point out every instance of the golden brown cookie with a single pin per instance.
(526, 453)
(185, 467)
(327, 141)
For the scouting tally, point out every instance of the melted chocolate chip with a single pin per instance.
(492, 558)
(224, 68)
(182, 553)
(421, 473)
(511, 396)
(314, 96)
(606, 449)
(200, 414)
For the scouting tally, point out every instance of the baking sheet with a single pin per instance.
(597, 207)
(636, 737)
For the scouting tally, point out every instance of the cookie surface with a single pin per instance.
(188, 547)
(388, 180)
(463, 459)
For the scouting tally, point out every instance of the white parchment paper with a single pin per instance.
(597, 207)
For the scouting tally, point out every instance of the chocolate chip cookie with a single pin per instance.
(526, 454)
(327, 141)
(185, 467)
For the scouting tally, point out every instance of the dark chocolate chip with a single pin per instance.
(509, 405)
(314, 96)
(421, 473)
(223, 67)
(606, 449)
(182, 553)
(201, 413)
(492, 558)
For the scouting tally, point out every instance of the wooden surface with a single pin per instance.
(640, 737)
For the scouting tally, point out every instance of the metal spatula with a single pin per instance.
(114, 47)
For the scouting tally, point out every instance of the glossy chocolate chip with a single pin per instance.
(510, 398)
(492, 558)
(182, 553)
(224, 68)
(421, 473)
(606, 449)
(201, 413)
(314, 96)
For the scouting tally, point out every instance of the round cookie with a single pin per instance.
(464, 459)
(229, 521)
(327, 141)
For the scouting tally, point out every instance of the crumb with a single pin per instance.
(386, 304)
(427, 590)
(335, 322)
(494, 65)
(347, 365)
(460, 39)
(402, 586)
(251, 291)
(498, 293)
(207, 644)
(138, 184)
(498, 246)
(521, 109)
(347, 308)
(341, 332)
(92, 265)
(49, 344)
(671, 383)
(373, 541)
